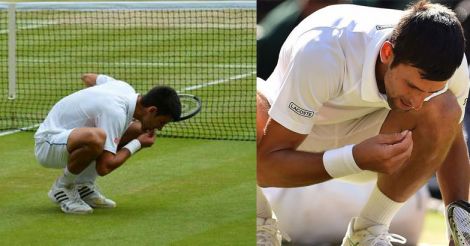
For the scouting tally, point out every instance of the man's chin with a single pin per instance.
(395, 107)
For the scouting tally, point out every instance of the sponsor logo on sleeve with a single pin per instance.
(465, 101)
(300, 111)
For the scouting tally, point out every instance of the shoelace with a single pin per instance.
(271, 232)
(75, 196)
(266, 234)
(389, 238)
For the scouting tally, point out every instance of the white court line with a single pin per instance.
(4, 133)
(219, 81)
(30, 25)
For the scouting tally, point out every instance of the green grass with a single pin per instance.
(179, 192)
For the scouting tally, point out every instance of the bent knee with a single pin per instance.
(95, 139)
(443, 109)
(440, 118)
(262, 108)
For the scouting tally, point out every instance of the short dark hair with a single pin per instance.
(430, 38)
(165, 99)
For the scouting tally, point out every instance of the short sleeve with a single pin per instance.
(313, 75)
(102, 79)
(113, 124)
(459, 84)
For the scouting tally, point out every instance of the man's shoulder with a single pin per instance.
(356, 18)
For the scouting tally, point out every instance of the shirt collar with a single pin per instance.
(369, 90)
(131, 109)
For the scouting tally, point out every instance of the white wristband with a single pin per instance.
(340, 162)
(133, 146)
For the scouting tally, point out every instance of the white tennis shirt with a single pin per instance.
(326, 68)
(108, 105)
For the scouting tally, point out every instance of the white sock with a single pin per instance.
(67, 178)
(263, 209)
(88, 175)
(379, 210)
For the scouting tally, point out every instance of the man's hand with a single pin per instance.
(89, 79)
(384, 153)
(147, 139)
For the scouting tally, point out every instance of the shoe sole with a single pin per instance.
(100, 206)
(77, 212)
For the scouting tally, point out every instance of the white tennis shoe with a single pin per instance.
(90, 193)
(267, 232)
(377, 235)
(69, 200)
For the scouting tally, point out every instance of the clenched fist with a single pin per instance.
(147, 139)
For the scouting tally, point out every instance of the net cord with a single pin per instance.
(162, 5)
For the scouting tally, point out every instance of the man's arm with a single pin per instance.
(107, 162)
(89, 79)
(454, 174)
(280, 164)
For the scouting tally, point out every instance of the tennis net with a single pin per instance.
(204, 48)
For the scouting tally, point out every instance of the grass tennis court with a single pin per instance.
(178, 192)
(210, 54)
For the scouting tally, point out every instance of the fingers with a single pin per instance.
(385, 153)
(398, 154)
(392, 138)
(401, 158)
(403, 146)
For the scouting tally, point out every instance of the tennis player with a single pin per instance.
(361, 93)
(94, 131)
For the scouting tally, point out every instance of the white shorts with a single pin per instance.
(325, 137)
(51, 149)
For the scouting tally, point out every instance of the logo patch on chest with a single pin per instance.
(300, 111)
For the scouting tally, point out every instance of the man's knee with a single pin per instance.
(262, 108)
(97, 140)
(434, 126)
(93, 138)
(439, 119)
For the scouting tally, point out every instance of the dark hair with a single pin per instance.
(165, 99)
(430, 38)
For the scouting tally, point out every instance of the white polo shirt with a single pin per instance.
(109, 105)
(326, 68)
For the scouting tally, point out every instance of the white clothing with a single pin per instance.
(320, 213)
(108, 105)
(326, 68)
(51, 150)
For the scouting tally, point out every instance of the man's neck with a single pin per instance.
(138, 109)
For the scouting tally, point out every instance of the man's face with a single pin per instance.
(406, 89)
(151, 121)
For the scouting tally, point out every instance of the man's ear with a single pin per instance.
(153, 110)
(386, 53)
